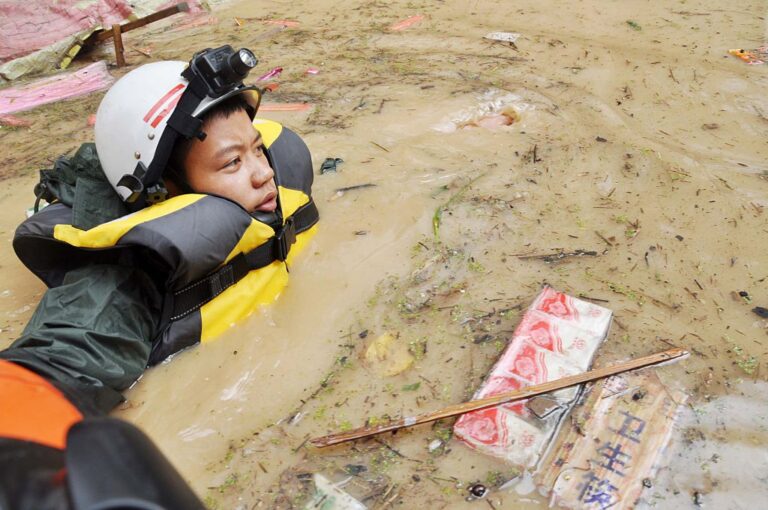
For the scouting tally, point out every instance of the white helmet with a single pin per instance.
(143, 115)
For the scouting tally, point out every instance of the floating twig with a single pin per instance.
(557, 257)
(356, 186)
(603, 238)
(380, 146)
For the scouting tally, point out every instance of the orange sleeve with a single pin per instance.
(32, 408)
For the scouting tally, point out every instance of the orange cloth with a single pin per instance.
(32, 409)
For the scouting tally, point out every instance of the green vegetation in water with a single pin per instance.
(373, 421)
(437, 217)
(634, 25)
(475, 266)
(439, 191)
(745, 362)
(626, 291)
(444, 433)
(319, 413)
(230, 453)
(411, 387)
(418, 348)
(499, 478)
(447, 490)
(617, 288)
(230, 481)
(383, 460)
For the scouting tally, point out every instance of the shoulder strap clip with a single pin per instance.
(285, 239)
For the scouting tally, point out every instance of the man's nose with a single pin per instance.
(261, 172)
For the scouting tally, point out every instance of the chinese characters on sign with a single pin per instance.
(624, 425)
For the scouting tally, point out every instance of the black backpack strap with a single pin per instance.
(196, 294)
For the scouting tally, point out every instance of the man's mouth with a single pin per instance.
(270, 202)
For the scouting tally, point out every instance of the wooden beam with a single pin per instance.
(119, 50)
(103, 35)
(502, 398)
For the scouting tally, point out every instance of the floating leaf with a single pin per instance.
(411, 387)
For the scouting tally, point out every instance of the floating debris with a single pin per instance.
(752, 57)
(478, 491)
(407, 23)
(274, 73)
(13, 121)
(493, 121)
(508, 37)
(618, 437)
(55, 88)
(495, 110)
(287, 23)
(330, 165)
(388, 355)
(328, 496)
(559, 256)
(284, 107)
(557, 337)
(761, 312)
(341, 191)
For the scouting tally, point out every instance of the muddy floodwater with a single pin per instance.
(623, 129)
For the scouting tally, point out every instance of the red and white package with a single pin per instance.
(557, 337)
(561, 337)
(580, 313)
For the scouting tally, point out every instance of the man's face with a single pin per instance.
(230, 162)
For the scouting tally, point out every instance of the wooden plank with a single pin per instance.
(502, 398)
(103, 35)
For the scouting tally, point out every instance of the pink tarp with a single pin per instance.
(63, 86)
(27, 26)
(39, 35)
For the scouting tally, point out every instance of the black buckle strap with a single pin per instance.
(195, 295)
(284, 240)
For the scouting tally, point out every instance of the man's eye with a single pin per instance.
(258, 150)
(234, 162)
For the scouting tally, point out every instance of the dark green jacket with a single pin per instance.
(91, 335)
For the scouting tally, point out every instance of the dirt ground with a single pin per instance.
(634, 135)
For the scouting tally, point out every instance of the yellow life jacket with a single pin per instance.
(215, 262)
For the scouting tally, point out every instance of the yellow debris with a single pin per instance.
(388, 355)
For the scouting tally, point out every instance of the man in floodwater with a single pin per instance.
(220, 204)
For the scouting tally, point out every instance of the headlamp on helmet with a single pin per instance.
(221, 69)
